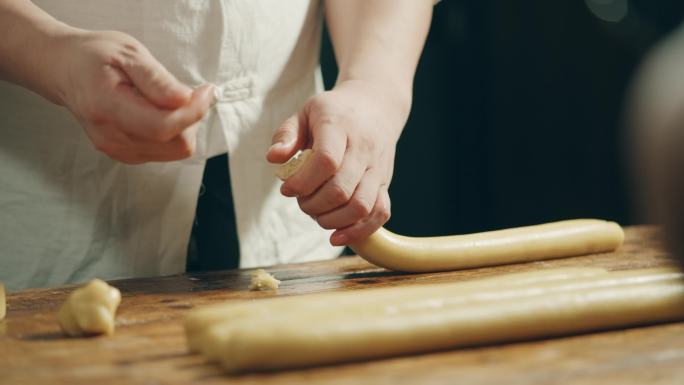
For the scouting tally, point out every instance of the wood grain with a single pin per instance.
(149, 347)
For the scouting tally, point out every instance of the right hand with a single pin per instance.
(130, 106)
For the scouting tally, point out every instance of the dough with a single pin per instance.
(3, 304)
(197, 323)
(522, 244)
(262, 280)
(457, 315)
(293, 165)
(90, 309)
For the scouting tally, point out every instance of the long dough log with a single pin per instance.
(319, 341)
(522, 244)
(198, 322)
(444, 297)
(343, 332)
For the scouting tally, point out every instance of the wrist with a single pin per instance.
(29, 55)
(50, 70)
(396, 92)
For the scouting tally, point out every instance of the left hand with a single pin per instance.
(353, 130)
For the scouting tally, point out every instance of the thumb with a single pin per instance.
(287, 140)
(155, 82)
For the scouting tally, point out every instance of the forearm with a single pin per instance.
(28, 35)
(379, 41)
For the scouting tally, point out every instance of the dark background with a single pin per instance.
(517, 114)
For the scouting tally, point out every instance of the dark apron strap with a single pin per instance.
(214, 242)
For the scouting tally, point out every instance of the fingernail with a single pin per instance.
(275, 146)
(339, 239)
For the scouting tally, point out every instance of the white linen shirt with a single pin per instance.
(69, 213)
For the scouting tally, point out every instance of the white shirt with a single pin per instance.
(69, 213)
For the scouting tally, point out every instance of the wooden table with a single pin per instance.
(149, 346)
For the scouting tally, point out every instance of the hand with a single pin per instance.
(352, 130)
(130, 106)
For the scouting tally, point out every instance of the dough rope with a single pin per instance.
(198, 321)
(530, 243)
(90, 310)
(522, 244)
(457, 315)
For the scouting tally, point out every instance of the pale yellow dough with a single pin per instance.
(335, 327)
(522, 244)
(293, 165)
(90, 310)
(198, 323)
(262, 280)
(3, 304)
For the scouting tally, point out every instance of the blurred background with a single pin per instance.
(518, 113)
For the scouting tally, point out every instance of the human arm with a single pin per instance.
(130, 106)
(353, 128)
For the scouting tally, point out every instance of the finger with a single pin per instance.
(153, 80)
(288, 139)
(178, 148)
(138, 117)
(329, 147)
(110, 141)
(364, 228)
(338, 190)
(357, 208)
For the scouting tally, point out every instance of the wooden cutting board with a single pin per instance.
(149, 346)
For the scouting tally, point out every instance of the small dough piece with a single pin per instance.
(90, 310)
(288, 169)
(3, 304)
(262, 280)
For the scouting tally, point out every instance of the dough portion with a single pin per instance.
(3, 304)
(293, 165)
(522, 244)
(262, 280)
(90, 310)
(197, 323)
(336, 330)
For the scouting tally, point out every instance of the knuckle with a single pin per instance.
(295, 187)
(359, 207)
(308, 210)
(337, 195)
(97, 116)
(327, 161)
(318, 102)
(159, 134)
(307, 207)
(326, 224)
(197, 114)
(187, 148)
(367, 146)
(384, 213)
